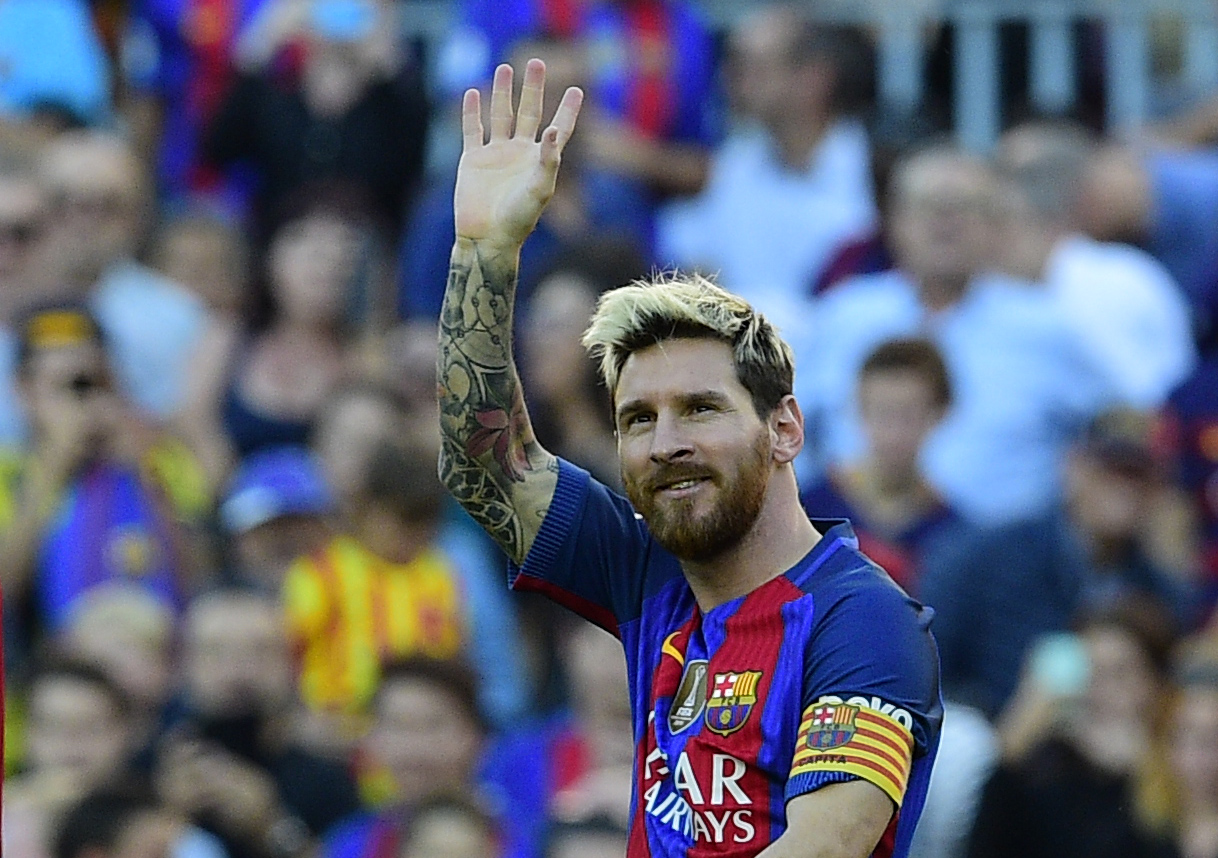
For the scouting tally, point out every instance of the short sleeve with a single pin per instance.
(871, 693)
(593, 553)
(305, 601)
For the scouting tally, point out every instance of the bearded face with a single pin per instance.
(698, 511)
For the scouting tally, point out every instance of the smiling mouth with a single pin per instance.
(681, 485)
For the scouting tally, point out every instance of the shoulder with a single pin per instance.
(886, 287)
(157, 298)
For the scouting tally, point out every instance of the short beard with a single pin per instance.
(699, 540)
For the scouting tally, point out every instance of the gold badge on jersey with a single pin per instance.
(690, 700)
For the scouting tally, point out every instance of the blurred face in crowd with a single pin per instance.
(71, 386)
(76, 729)
(767, 81)
(206, 258)
(1194, 743)
(597, 670)
(424, 738)
(449, 833)
(1107, 499)
(1123, 684)
(556, 364)
(943, 217)
(898, 411)
(98, 193)
(128, 634)
(236, 657)
(313, 263)
(347, 40)
(266, 552)
(23, 214)
(348, 432)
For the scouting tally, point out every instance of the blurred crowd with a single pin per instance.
(242, 619)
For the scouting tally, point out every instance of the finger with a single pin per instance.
(564, 118)
(501, 103)
(532, 94)
(471, 119)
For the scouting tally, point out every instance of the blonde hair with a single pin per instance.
(690, 306)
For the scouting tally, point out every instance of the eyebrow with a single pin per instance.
(714, 397)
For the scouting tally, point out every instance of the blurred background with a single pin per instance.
(242, 618)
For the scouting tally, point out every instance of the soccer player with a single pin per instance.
(784, 691)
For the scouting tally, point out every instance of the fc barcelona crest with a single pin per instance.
(731, 701)
(832, 725)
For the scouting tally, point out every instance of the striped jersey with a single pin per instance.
(350, 611)
(824, 674)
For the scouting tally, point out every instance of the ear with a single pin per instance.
(786, 430)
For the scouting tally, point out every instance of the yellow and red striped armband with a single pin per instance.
(851, 736)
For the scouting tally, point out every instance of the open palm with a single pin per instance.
(504, 184)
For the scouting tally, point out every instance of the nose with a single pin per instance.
(669, 442)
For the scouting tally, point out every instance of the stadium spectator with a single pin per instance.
(587, 208)
(278, 508)
(258, 386)
(177, 66)
(207, 254)
(354, 111)
(231, 761)
(54, 62)
(1192, 749)
(100, 200)
(352, 423)
(98, 496)
(78, 738)
(23, 219)
(592, 758)
(130, 635)
(995, 591)
(903, 394)
(399, 584)
(449, 827)
(1081, 755)
(793, 184)
(569, 405)
(1166, 200)
(127, 821)
(427, 737)
(651, 79)
(1128, 312)
(1023, 388)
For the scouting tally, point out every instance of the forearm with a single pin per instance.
(844, 820)
(490, 460)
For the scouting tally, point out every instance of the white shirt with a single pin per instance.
(767, 230)
(1129, 314)
(1023, 387)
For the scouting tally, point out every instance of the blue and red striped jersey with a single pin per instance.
(824, 674)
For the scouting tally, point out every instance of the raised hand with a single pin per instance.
(503, 185)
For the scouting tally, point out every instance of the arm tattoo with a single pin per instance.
(490, 460)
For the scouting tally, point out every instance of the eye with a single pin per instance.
(638, 418)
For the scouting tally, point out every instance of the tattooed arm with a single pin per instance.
(489, 459)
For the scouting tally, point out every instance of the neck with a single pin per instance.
(893, 481)
(939, 293)
(779, 538)
(798, 139)
(1033, 250)
(400, 543)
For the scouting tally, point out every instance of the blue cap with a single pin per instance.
(272, 483)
